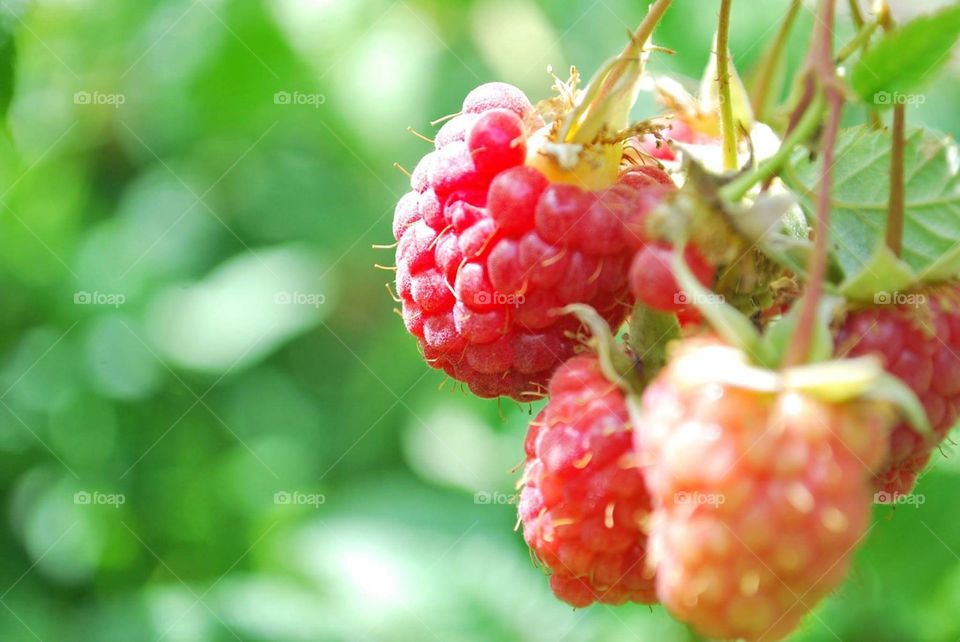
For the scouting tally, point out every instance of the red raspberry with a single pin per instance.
(489, 250)
(584, 500)
(920, 344)
(759, 498)
(652, 280)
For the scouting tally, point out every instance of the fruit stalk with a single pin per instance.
(821, 66)
(727, 125)
(767, 69)
(896, 205)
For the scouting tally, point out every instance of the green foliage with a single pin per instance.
(931, 234)
(903, 60)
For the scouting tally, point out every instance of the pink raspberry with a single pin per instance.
(584, 501)
(759, 498)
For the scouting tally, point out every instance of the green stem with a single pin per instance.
(727, 125)
(809, 122)
(821, 64)
(897, 193)
(859, 41)
(767, 69)
(856, 13)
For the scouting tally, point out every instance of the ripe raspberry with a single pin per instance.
(759, 498)
(921, 346)
(652, 280)
(584, 499)
(489, 250)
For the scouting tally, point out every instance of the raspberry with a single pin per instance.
(489, 250)
(652, 280)
(759, 498)
(584, 499)
(497, 141)
(920, 345)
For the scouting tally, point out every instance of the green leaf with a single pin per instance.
(885, 273)
(902, 60)
(931, 233)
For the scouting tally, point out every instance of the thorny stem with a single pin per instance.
(727, 126)
(821, 64)
(897, 193)
(763, 84)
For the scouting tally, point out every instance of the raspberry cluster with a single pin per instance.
(584, 501)
(489, 250)
(920, 344)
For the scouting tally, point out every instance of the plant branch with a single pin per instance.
(859, 41)
(856, 14)
(767, 69)
(821, 66)
(727, 125)
(896, 205)
(654, 14)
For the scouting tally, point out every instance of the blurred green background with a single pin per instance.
(212, 426)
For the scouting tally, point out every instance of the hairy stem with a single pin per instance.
(822, 66)
(727, 125)
(767, 70)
